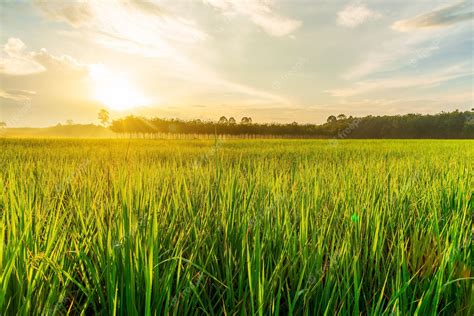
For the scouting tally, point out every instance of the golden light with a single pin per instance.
(114, 90)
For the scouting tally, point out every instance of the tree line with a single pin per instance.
(455, 124)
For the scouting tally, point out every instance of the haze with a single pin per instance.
(277, 61)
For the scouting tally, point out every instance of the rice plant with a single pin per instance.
(254, 227)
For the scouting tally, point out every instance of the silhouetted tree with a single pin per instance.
(104, 117)
(232, 121)
(3, 124)
(341, 117)
(69, 122)
(223, 120)
(246, 120)
(331, 119)
(443, 125)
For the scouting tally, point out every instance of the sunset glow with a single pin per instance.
(114, 90)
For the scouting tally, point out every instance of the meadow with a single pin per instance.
(236, 227)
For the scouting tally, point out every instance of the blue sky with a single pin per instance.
(273, 60)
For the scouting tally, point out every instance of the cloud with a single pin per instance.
(149, 30)
(394, 54)
(77, 13)
(17, 95)
(40, 86)
(15, 61)
(62, 63)
(425, 80)
(354, 15)
(261, 13)
(19, 66)
(129, 26)
(454, 13)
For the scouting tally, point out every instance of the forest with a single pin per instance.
(456, 124)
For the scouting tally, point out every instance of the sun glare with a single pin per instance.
(114, 90)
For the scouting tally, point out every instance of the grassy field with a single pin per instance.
(236, 227)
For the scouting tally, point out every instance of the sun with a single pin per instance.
(114, 90)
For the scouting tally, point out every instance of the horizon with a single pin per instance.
(236, 157)
(275, 61)
(216, 120)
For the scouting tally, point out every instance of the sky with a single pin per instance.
(272, 60)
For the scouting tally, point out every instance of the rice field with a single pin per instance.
(236, 227)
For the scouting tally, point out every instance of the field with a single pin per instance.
(237, 227)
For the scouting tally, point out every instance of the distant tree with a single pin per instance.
(341, 117)
(294, 123)
(246, 120)
(331, 119)
(69, 122)
(443, 125)
(3, 124)
(104, 117)
(223, 120)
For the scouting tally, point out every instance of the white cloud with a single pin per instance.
(17, 95)
(147, 29)
(259, 12)
(15, 61)
(355, 15)
(424, 80)
(445, 16)
(77, 13)
(396, 53)
(129, 26)
(52, 87)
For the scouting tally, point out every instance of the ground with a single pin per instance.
(248, 227)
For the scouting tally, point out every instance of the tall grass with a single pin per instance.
(240, 227)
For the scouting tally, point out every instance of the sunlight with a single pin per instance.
(114, 90)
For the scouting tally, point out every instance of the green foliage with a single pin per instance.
(103, 117)
(444, 125)
(120, 227)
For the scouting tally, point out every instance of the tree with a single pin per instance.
(246, 120)
(69, 122)
(3, 124)
(331, 119)
(223, 120)
(341, 117)
(104, 117)
(442, 125)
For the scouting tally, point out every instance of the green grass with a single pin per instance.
(236, 227)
